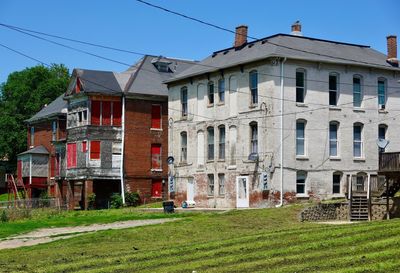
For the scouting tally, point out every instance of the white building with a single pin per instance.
(308, 110)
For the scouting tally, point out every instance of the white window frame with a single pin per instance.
(358, 141)
(301, 138)
(361, 94)
(332, 140)
(382, 106)
(253, 89)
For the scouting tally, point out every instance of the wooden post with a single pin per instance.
(369, 197)
(387, 199)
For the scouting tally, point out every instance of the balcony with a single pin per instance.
(389, 162)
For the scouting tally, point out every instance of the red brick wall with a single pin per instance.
(43, 135)
(138, 140)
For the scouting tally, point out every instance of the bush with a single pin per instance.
(132, 199)
(116, 201)
(4, 217)
(44, 199)
(91, 201)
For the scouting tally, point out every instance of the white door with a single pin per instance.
(242, 192)
(190, 190)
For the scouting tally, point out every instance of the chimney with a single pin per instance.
(296, 29)
(240, 36)
(392, 50)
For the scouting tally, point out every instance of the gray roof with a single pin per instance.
(37, 150)
(292, 47)
(55, 108)
(147, 80)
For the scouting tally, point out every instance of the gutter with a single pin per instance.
(122, 150)
(282, 119)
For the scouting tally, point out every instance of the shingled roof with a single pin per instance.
(55, 108)
(291, 47)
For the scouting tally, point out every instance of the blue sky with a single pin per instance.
(131, 25)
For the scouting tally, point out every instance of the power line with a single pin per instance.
(257, 39)
(22, 54)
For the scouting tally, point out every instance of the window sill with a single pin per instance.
(253, 105)
(156, 170)
(335, 158)
(210, 161)
(200, 170)
(359, 159)
(184, 117)
(210, 196)
(358, 109)
(338, 195)
(221, 160)
(301, 104)
(232, 167)
(156, 129)
(382, 111)
(210, 105)
(302, 196)
(221, 103)
(334, 108)
(302, 157)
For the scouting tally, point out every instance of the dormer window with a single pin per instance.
(162, 65)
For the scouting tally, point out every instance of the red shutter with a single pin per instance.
(156, 188)
(19, 168)
(156, 116)
(84, 147)
(95, 112)
(117, 112)
(106, 113)
(71, 155)
(95, 149)
(155, 156)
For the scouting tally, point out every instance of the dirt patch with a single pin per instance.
(46, 235)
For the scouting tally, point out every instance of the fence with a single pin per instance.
(34, 203)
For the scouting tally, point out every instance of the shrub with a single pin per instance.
(116, 201)
(44, 199)
(4, 217)
(132, 199)
(91, 201)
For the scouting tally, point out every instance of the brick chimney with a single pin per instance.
(296, 29)
(240, 36)
(392, 50)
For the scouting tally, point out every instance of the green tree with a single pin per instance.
(23, 95)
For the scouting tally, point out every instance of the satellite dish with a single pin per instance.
(382, 143)
(253, 156)
(170, 160)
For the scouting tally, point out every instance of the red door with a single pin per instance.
(156, 188)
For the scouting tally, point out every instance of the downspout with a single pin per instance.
(122, 150)
(282, 111)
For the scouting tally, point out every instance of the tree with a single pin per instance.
(23, 95)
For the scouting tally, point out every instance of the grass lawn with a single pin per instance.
(267, 240)
(52, 218)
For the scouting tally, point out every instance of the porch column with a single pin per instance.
(87, 191)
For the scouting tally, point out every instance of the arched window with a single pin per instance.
(210, 143)
(253, 137)
(381, 93)
(301, 88)
(358, 140)
(183, 146)
(382, 129)
(221, 143)
(333, 138)
(300, 137)
(221, 90)
(184, 101)
(357, 91)
(253, 84)
(200, 148)
(232, 145)
(333, 88)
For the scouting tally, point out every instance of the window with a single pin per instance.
(357, 140)
(71, 155)
(300, 85)
(336, 183)
(183, 147)
(95, 147)
(333, 139)
(253, 137)
(210, 188)
(184, 101)
(96, 108)
(357, 92)
(221, 90)
(333, 89)
(301, 182)
(117, 113)
(381, 93)
(221, 184)
(232, 145)
(253, 82)
(156, 116)
(54, 130)
(210, 92)
(221, 150)
(382, 134)
(156, 188)
(300, 137)
(200, 149)
(360, 181)
(84, 146)
(156, 156)
(32, 136)
(210, 143)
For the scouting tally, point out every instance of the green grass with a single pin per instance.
(52, 218)
(3, 197)
(265, 240)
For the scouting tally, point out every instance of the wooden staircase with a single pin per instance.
(359, 208)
